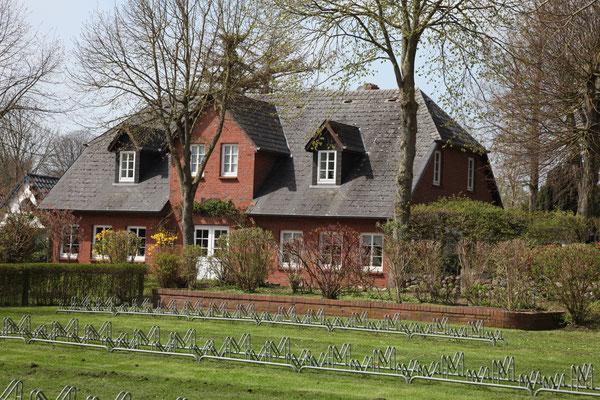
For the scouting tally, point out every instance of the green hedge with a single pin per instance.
(51, 284)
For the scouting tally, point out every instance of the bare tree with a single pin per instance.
(173, 62)
(547, 97)
(65, 150)
(393, 31)
(26, 60)
(25, 145)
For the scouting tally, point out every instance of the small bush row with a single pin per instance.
(51, 284)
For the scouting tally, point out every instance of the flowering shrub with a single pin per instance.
(117, 247)
(570, 275)
(162, 241)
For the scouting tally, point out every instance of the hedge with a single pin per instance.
(50, 284)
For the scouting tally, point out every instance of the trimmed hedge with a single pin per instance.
(50, 284)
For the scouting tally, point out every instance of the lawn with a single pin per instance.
(49, 367)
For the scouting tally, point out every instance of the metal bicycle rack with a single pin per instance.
(440, 328)
(14, 390)
(500, 374)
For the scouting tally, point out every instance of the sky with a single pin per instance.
(63, 20)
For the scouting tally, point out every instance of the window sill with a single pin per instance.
(325, 186)
(229, 178)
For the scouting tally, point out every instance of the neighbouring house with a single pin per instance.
(27, 194)
(325, 158)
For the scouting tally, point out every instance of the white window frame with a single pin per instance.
(371, 267)
(135, 229)
(320, 155)
(333, 236)
(104, 228)
(210, 249)
(62, 253)
(437, 168)
(295, 235)
(130, 160)
(228, 150)
(199, 156)
(470, 174)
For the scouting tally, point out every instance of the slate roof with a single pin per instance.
(89, 185)
(369, 190)
(40, 184)
(260, 121)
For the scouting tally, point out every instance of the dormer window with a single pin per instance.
(338, 149)
(327, 166)
(127, 166)
(198, 152)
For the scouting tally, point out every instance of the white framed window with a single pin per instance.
(373, 245)
(331, 245)
(437, 168)
(207, 237)
(327, 160)
(229, 160)
(198, 152)
(127, 166)
(287, 260)
(69, 245)
(140, 232)
(98, 229)
(470, 174)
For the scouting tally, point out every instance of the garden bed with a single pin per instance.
(493, 317)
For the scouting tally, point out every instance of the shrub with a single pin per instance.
(400, 256)
(475, 260)
(292, 266)
(428, 263)
(333, 259)
(570, 275)
(163, 241)
(190, 259)
(246, 255)
(512, 288)
(116, 246)
(166, 266)
(49, 284)
(21, 237)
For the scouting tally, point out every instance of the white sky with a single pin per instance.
(63, 20)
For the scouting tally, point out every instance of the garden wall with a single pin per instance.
(493, 317)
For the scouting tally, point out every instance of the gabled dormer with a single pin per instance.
(336, 148)
(135, 147)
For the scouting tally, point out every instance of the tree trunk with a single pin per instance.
(187, 214)
(591, 144)
(534, 180)
(404, 176)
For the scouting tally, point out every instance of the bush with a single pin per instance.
(246, 255)
(117, 247)
(428, 261)
(512, 288)
(21, 237)
(400, 256)
(50, 284)
(475, 260)
(166, 266)
(190, 259)
(333, 259)
(570, 275)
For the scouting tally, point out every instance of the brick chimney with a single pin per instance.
(368, 86)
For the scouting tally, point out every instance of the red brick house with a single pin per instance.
(269, 162)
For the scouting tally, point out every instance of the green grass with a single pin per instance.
(93, 371)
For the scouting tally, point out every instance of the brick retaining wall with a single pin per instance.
(493, 317)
